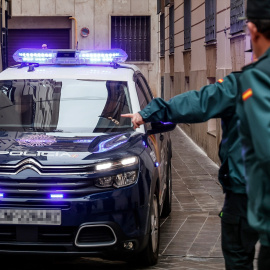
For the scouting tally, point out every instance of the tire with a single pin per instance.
(149, 256)
(167, 205)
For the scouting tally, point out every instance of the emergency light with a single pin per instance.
(54, 57)
(56, 196)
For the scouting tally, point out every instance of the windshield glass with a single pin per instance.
(64, 105)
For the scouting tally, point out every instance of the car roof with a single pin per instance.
(122, 72)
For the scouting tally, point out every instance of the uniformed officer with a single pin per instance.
(216, 101)
(254, 115)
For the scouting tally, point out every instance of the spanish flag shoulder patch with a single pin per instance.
(247, 94)
(220, 80)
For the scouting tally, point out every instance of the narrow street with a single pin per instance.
(190, 236)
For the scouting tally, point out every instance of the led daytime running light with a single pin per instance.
(128, 161)
(120, 163)
(103, 166)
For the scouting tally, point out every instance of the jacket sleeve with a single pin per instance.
(212, 101)
(256, 103)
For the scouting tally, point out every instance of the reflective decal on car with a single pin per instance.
(40, 154)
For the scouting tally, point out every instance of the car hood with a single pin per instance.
(63, 149)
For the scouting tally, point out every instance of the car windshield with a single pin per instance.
(64, 105)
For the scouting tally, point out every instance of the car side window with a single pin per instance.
(143, 91)
(142, 99)
(145, 87)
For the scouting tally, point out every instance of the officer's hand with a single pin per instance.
(136, 119)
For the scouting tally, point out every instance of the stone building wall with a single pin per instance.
(203, 63)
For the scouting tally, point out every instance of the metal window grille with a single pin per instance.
(187, 24)
(132, 34)
(162, 34)
(210, 20)
(4, 16)
(171, 29)
(167, 2)
(158, 6)
(237, 10)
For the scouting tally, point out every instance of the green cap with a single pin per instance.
(258, 9)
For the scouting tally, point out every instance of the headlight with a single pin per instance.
(119, 180)
(117, 164)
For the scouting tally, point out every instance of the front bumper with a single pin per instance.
(96, 225)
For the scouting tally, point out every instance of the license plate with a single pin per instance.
(30, 216)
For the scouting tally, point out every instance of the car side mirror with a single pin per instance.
(161, 127)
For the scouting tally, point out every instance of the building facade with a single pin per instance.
(89, 24)
(200, 42)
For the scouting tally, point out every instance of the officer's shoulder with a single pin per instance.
(235, 74)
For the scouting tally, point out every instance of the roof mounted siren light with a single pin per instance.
(54, 56)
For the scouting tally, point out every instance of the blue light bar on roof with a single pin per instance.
(35, 56)
(54, 57)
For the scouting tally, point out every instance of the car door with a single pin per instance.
(157, 142)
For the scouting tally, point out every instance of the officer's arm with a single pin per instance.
(256, 104)
(212, 101)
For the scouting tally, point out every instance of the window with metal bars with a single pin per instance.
(171, 29)
(187, 24)
(237, 10)
(162, 35)
(210, 20)
(167, 2)
(132, 34)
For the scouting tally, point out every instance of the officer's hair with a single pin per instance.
(263, 27)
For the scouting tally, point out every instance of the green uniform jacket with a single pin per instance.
(212, 101)
(254, 115)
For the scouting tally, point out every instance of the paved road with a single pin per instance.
(190, 236)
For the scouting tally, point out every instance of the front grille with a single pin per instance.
(56, 234)
(64, 205)
(30, 179)
(39, 234)
(42, 187)
(30, 163)
(7, 233)
(95, 235)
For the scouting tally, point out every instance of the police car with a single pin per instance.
(75, 178)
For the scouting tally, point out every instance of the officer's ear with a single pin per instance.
(254, 34)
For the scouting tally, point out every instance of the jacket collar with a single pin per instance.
(251, 65)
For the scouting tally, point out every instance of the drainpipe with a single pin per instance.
(76, 42)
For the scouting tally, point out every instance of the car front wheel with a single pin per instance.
(149, 256)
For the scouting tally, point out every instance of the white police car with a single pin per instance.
(75, 178)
